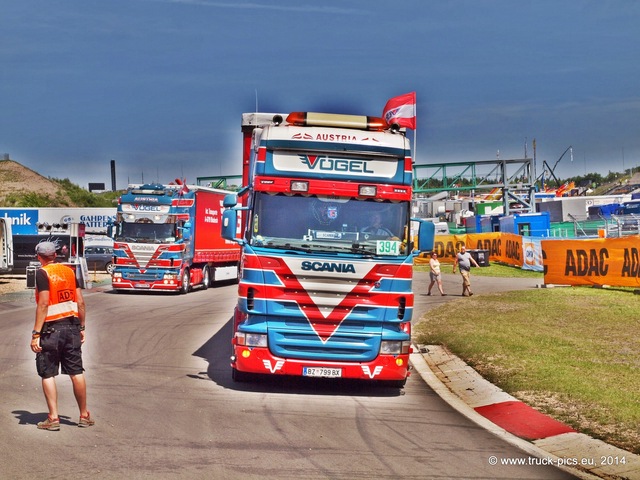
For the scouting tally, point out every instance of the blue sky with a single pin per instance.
(159, 86)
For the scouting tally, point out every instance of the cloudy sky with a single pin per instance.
(159, 86)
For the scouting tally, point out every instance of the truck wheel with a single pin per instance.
(206, 280)
(184, 285)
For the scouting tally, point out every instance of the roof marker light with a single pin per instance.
(312, 119)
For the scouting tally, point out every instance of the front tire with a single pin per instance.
(184, 284)
(206, 278)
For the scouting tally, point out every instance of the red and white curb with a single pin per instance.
(504, 415)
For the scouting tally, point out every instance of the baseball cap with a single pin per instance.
(46, 249)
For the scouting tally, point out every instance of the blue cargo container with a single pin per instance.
(527, 224)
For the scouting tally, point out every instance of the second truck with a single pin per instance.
(167, 238)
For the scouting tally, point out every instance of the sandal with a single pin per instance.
(86, 421)
(52, 424)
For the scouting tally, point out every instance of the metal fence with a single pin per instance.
(614, 226)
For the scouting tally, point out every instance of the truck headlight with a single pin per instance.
(251, 339)
(395, 347)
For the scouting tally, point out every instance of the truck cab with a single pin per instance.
(167, 239)
(324, 222)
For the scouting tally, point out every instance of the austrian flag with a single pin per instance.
(401, 110)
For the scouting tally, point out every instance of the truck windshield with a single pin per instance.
(147, 232)
(329, 224)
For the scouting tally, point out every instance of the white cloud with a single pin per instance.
(315, 8)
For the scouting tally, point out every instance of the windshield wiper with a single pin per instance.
(288, 246)
(306, 248)
(356, 248)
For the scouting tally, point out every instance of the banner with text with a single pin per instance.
(598, 261)
(506, 248)
(592, 261)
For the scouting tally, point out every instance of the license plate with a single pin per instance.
(142, 285)
(324, 372)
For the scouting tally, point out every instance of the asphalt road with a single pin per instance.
(160, 389)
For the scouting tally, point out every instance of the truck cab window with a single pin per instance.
(325, 224)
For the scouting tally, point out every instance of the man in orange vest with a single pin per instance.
(58, 334)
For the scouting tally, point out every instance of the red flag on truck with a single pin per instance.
(401, 110)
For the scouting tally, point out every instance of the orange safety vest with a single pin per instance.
(62, 292)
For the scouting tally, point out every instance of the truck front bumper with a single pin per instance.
(260, 360)
(165, 285)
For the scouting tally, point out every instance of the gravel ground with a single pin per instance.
(11, 283)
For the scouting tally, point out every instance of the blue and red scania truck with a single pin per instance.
(167, 238)
(325, 286)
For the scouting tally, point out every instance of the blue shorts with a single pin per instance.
(61, 347)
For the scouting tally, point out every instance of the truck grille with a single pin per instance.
(307, 345)
(143, 258)
(147, 276)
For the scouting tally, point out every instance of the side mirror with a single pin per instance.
(230, 200)
(186, 231)
(229, 225)
(426, 235)
(114, 229)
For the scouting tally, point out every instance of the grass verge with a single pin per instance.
(493, 270)
(573, 353)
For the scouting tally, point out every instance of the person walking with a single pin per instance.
(58, 334)
(435, 274)
(463, 261)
